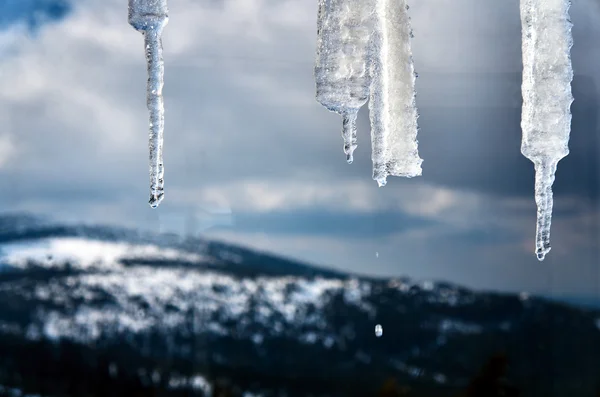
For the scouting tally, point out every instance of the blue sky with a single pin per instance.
(250, 152)
(32, 13)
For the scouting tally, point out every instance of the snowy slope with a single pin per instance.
(255, 313)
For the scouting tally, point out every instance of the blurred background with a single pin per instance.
(271, 261)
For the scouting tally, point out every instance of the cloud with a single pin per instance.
(245, 135)
(32, 13)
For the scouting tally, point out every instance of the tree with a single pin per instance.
(492, 381)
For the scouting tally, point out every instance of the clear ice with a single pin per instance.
(547, 98)
(341, 69)
(392, 104)
(150, 17)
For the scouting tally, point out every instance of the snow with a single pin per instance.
(547, 98)
(84, 254)
(456, 326)
(392, 103)
(198, 382)
(295, 301)
(341, 74)
(150, 17)
(185, 290)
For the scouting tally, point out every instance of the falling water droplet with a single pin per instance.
(376, 254)
(378, 330)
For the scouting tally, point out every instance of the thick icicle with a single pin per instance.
(342, 80)
(547, 98)
(150, 17)
(392, 105)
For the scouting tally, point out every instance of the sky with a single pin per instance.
(255, 160)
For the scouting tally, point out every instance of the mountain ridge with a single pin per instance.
(267, 324)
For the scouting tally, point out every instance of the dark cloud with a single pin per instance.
(240, 112)
(478, 148)
(347, 225)
(33, 13)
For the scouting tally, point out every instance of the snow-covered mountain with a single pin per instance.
(267, 324)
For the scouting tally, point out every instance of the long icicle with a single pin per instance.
(547, 98)
(392, 105)
(342, 79)
(150, 17)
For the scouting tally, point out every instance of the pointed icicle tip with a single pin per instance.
(541, 253)
(349, 135)
(156, 199)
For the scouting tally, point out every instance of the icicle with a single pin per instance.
(392, 104)
(342, 79)
(547, 98)
(349, 134)
(150, 17)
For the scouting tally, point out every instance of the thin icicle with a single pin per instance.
(342, 79)
(547, 98)
(392, 105)
(150, 17)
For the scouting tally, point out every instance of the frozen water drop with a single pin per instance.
(378, 330)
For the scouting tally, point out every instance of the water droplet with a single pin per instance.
(378, 330)
(376, 254)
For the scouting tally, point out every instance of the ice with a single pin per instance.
(392, 103)
(547, 98)
(341, 73)
(150, 17)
